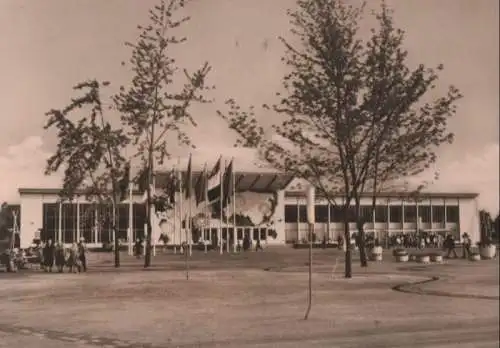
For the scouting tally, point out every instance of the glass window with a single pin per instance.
(335, 213)
(50, 221)
(424, 212)
(255, 234)
(321, 213)
(263, 234)
(87, 222)
(381, 213)
(452, 214)
(239, 231)
(438, 213)
(104, 223)
(139, 211)
(302, 213)
(123, 225)
(396, 213)
(410, 212)
(69, 230)
(290, 213)
(366, 213)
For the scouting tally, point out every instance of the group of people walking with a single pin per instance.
(54, 255)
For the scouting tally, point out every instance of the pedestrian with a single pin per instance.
(138, 248)
(82, 254)
(73, 261)
(340, 242)
(449, 245)
(258, 246)
(466, 243)
(60, 257)
(48, 256)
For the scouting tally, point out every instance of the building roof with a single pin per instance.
(54, 191)
(400, 195)
(263, 182)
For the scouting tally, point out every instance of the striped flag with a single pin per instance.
(214, 182)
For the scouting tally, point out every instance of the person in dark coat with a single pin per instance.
(449, 245)
(48, 255)
(82, 254)
(60, 257)
(466, 243)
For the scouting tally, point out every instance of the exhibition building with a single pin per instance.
(267, 206)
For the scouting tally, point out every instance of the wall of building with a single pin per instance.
(466, 221)
(254, 204)
(32, 214)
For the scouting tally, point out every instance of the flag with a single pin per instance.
(200, 186)
(124, 182)
(142, 179)
(227, 184)
(187, 180)
(214, 183)
(172, 187)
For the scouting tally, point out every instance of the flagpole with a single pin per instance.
(228, 247)
(190, 183)
(207, 217)
(130, 213)
(174, 184)
(235, 234)
(180, 203)
(154, 235)
(223, 168)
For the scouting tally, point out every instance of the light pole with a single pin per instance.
(311, 220)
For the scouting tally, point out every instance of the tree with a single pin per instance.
(486, 225)
(353, 117)
(152, 107)
(89, 151)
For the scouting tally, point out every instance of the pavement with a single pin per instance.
(230, 301)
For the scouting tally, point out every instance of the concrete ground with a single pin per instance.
(230, 301)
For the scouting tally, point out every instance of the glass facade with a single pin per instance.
(90, 221)
(394, 213)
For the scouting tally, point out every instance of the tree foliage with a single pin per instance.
(355, 117)
(153, 107)
(89, 151)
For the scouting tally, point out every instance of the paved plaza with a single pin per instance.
(252, 300)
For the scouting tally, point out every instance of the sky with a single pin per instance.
(48, 46)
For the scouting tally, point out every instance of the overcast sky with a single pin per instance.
(49, 45)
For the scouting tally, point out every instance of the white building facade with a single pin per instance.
(395, 212)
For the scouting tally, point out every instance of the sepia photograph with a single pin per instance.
(249, 173)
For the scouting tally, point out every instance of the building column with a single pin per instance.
(417, 217)
(458, 222)
(59, 237)
(388, 223)
(96, 225)
(298, 221)
(445, 215)
(403, 215)
(78, 232)
(328, 222)
(431, 214)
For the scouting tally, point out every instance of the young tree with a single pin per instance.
(89, 151)
(153, 107)
(354, 117)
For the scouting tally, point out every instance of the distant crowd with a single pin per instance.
(54, 256)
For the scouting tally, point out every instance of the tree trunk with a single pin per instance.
(147, 258)
(115, 241)
(362, 247)
(117, 249)
(348, 256)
